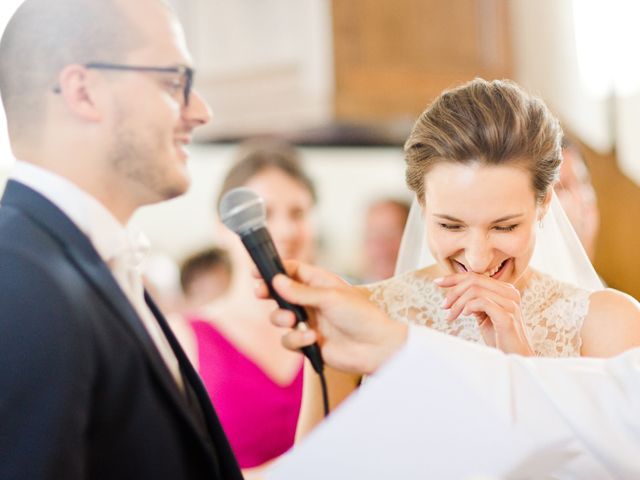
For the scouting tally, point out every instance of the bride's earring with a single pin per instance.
(540, 224)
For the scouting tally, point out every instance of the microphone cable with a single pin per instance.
(325, 394)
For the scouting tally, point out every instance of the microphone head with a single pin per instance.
(242, 210)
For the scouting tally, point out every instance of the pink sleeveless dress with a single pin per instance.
(258, 416)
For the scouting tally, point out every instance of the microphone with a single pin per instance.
(243, 211)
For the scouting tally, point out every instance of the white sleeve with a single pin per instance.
(445, 408)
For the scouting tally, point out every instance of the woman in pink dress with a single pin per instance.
(254, 383)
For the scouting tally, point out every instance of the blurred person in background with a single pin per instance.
(255, 383)
(577, 196)
(204, 276)
(384, 225)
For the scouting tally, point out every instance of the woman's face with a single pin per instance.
(481, 219)
(289, 207)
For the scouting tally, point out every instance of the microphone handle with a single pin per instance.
(264, 254)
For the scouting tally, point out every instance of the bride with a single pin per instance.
(488, 254)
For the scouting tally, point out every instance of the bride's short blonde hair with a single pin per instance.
(492, 122)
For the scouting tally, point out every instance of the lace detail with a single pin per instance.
(553, 311)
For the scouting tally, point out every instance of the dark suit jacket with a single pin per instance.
(84, 393)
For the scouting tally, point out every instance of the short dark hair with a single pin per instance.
(202, 261)
(256, 155)
(43, 37)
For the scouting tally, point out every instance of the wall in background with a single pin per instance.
(546, 63)
(617, 254)
(393, 58)
(264, 67)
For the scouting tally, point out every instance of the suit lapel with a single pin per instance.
(201, 410)
(86, 260)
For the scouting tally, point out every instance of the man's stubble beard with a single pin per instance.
(137, 159)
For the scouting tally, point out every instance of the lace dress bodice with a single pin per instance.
(553, 311)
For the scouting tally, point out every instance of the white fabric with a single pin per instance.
(123, 250)
(126, 266)
(447, 409)
(558, 251)
(83, 209)
(553, 311)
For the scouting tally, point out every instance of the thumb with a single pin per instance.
(298, 293)
(316, 276)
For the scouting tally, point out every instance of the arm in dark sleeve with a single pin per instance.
(44, 375)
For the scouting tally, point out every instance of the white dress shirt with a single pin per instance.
(448, 409)
(111, 240)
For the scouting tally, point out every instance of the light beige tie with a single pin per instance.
(127, 269)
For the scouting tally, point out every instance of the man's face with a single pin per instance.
(384, 227)
(150, 123)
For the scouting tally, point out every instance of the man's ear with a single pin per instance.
(78, 88)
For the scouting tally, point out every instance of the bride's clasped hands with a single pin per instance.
(495, 305)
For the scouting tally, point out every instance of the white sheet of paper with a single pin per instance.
(396, 426)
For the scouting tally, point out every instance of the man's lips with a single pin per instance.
(184, 140)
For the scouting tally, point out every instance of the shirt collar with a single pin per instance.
(108, 236)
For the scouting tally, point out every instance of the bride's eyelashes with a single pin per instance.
(450, 226)
(499, 228)
(506, 228)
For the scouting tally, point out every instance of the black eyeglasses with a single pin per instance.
(185, 74)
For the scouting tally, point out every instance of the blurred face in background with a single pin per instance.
(578, 198)
(208, 285)
(384, 226)
(289, 213)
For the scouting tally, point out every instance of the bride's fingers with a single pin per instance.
(486, 328)
(496, 314)
(459, 306)
(501, 328)
(450, 280)
(473, 280)
(501, 313)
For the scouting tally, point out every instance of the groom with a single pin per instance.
(93, 384)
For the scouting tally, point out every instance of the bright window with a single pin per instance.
(607, 39)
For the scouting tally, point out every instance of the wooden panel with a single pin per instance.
(391, 58)
(617, 254)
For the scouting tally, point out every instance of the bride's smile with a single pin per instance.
(483, 218)
(495, 272)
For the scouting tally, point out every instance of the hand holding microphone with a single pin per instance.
(243, 211)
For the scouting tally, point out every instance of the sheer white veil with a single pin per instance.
(558, 251)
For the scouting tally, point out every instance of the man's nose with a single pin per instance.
(197, 112)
